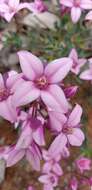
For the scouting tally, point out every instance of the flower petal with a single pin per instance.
(67, 3)
(73, 54)
(7, 110)
(57, 120)
(75, 116)
(89, 16)
(57, 169)
(77, 138)
(54, 98)
(86, 4)
(86, 75)
(58, 69)
(60, 142)
(14, 157)
(30, 64)
(25, 94)
(33, 158)
(38, 136)
(46, 167)
(75, 14)
(44, 179)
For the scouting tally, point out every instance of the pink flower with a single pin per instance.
(49, 180)
(31, 152)
(76, 7)
(32, 130)
(8, 87)
(42, 83)
(77, 62)
(52, 163)
(89, 16)
(60, 142)
(74, 184)
(83, 164)
(68, 127)
(8, 8)
(38, 6)
(87, 74)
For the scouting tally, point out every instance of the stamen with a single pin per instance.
(42, 82)
(76, 3)
(4, 93)
(67, 130)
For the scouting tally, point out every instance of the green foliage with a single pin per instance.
(13, 40)
(54, 44)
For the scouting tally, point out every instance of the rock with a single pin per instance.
(13, 59)
(2, 170)
(42, 20)
(54, 2)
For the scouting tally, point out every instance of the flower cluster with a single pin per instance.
(34, 101)
(82, 164)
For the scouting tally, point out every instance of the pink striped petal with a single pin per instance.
(38, 136)
(86, 75)
(25, 94)
(77, 137)
(58, 69)
(73, 54)
(75, 116)
(33, 159)
(86, 4)
(14, 157)
(57, 169)
(67, 3)
(57, 120)
(60, 142)
(47, 167)
(31, 65)
(75, 14)
(7, 110)
(55, 99)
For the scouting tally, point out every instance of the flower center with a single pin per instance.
(76, 3)
(52, 180)
(67, 130)
(4, 93)
(42, 82)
